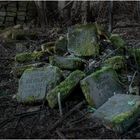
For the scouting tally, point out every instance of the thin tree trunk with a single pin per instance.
(110, 16)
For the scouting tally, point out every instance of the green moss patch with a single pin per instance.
(29, 57)
(64, 88)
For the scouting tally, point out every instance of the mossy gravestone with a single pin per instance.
(119, 112)
(36, 82)
(82, 40)
(100, 85)
(64, 88)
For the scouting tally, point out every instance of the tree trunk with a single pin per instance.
(42, 16)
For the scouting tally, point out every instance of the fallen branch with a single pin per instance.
(60, 134)
(21, 115)
(77, 129)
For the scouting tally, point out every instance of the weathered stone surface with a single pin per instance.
(119, 112)
(99, 86)
(36, 82)
(61, 45)
(29, 57)
(64, 88)
(69, 63)
(116, 62)
(82, 41)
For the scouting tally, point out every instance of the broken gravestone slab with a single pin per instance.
(64, 88)
(119, 112)
(68, 63)
(36, 82)
(82, 40)
(100, 85)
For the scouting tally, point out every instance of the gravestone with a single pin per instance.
(100, 85)
(36, 82)
(119, 112)
(68, 63)
(82, 40)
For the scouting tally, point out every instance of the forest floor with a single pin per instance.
(37, 121)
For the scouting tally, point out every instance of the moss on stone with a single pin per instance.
(117, 41)
(64, 88)
(96, 79)
(116, 62)
(29, 57)
(119, 119)
(105, 69)
(86, 90)
(82, 40)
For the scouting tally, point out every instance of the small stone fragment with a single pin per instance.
(119, 112)
(100, 85)
(117, 41)
(68, 63)
(64, 88)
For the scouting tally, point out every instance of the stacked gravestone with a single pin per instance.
(16, 12)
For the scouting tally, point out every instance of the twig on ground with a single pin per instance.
(60, 105)
(66, 115)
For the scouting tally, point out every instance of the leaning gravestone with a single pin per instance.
(82, 40)
(119, 112)
(36, 82)
(100, 85)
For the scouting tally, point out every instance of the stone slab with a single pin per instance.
(36, 82)
(100, 85)
(119, 112)
(65, 88)
(82, 40)
(68, 63)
